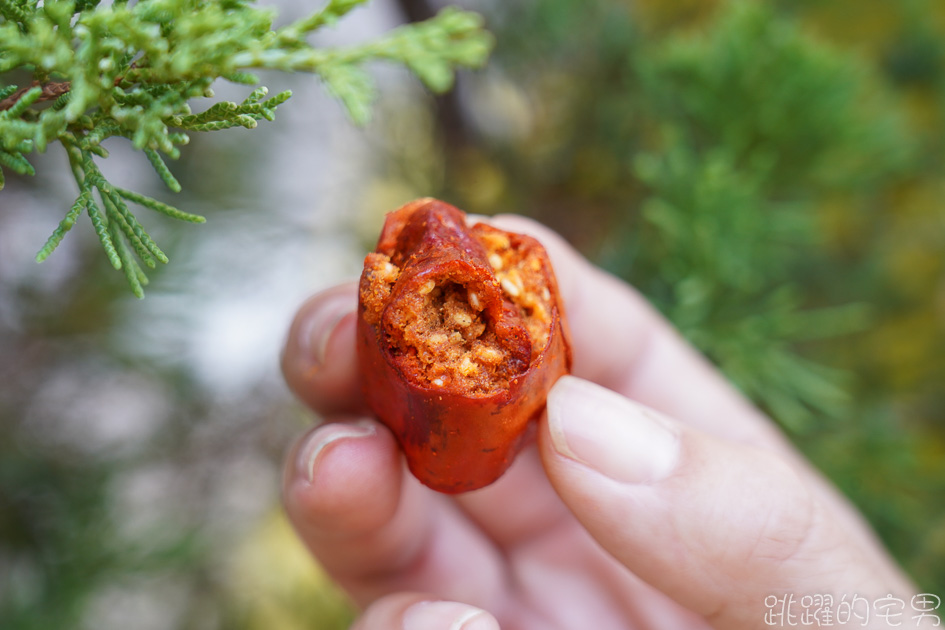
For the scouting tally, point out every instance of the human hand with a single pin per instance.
(685, 508)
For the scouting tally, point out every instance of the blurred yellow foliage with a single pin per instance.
(275, 583)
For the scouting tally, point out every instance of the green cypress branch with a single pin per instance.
(163, 172)
(133, 272)
(128, 221)
(258, 94)
(117, 213)
(85, 5)
(22, 103)
(132, 72)
(116, 218)
(101, 230)
(158, 206)
(64, 226)
(16, 162)
(98, 150)
(329, 14)
(13, 12)
(244, 78)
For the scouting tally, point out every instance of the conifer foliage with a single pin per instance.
(78, 73)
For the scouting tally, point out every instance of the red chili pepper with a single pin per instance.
(461, 334)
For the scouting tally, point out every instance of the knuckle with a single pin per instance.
(788, 519)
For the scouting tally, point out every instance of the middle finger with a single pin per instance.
(377, 530)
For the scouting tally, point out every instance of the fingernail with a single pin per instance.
(307, 459)
(609, 433)
(317, 325)
(447, 616)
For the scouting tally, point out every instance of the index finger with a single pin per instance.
(621, 342)
(319, 361)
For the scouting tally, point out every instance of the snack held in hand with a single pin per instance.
(461, 333)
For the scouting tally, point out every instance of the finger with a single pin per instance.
(319, 360)
(717, 526)
(517, 508)
(412, 611)
(661, 370)
(375, 529)
(621, 342)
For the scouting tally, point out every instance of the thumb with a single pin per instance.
(719, 527)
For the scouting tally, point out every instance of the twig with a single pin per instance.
(51, 91)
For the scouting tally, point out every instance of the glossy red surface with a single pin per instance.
(456, 439)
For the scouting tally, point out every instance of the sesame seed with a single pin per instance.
(467, 367)
(489, 355)
(437, 339)
(512, 289)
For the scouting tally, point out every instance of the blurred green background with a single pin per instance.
(770, 174)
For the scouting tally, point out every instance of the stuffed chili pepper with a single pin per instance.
(461, 333)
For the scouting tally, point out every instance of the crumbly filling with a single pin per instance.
(522, 280)
(446, 333)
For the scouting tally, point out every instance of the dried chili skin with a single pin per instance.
(461, 334)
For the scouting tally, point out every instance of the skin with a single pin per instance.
(663, 501)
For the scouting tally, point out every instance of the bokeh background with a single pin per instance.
(770, 174)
